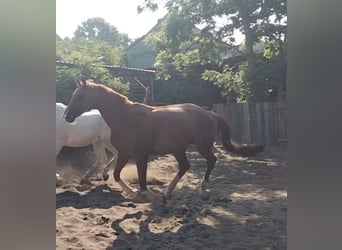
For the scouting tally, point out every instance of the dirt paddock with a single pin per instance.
(247, 208)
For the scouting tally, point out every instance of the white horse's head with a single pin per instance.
(82, 100)
(60, 107)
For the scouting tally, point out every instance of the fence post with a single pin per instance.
(255, 122)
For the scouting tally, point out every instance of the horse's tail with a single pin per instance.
(245, 150)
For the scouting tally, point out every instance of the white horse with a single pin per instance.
(88, 129)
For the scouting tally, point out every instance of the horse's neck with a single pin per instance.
(114, 110)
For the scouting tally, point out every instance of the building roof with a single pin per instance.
(115, 70)
(143, 55)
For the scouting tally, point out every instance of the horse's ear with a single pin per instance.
(77, 82)
(84, 82)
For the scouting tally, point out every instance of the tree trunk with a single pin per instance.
(250, 55)
(282, 80)
(249, 41)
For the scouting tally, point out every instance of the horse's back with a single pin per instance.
(91, 122)
(85, 130)
(180, 125)
(60, 105)
(184, 114)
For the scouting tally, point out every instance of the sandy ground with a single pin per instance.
(247, 208)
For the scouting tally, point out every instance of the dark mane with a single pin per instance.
(109, 90)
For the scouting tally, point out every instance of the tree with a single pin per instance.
(179, 69)
(262, 22)
(98, 29)
(86, 52)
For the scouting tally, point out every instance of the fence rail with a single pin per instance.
(255, 122)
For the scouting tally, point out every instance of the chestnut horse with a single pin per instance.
(140, 130)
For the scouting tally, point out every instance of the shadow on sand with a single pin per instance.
(100, 197)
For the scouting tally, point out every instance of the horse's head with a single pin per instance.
(81, 101)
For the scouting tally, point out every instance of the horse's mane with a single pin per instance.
(59, 104)
(112, 92)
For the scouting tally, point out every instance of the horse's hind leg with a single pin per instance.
(142, 172)
(184, 166)
(100, 154)
(88, 173)
(110, 147)
(207, 153)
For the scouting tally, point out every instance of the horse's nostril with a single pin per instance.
(67, 118)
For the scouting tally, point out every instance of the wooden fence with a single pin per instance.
(255, 122)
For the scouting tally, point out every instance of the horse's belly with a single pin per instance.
(79, 141)
(170, 144)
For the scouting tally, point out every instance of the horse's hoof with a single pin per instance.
(105, 177)
(205, 194)
(143, 196)
(137, 196)
(59, 181)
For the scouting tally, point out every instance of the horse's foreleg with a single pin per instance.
(184, 166)
(59, 146)
(144, 193)
(142, 173)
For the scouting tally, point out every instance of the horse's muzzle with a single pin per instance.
(67, 117)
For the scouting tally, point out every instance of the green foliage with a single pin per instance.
(65, 84)
(98, 29)
(180, 62)
(187, 89)
(86, 51)
(253, 77)
(233, 82)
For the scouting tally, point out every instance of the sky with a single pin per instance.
(120, 13)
